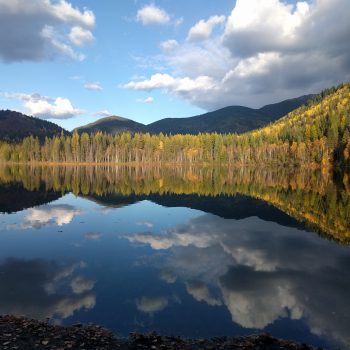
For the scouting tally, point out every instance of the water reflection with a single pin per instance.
(260, 271)
(174, 249)
(39, 288)
(47, 215)
(309, 196)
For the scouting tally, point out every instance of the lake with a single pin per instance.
(196, 252)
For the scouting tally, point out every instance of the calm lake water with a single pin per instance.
(191, 252)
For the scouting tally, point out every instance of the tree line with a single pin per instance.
(313, 135)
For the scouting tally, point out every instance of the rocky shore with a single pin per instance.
(25, 334)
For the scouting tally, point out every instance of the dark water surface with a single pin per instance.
(191, 252)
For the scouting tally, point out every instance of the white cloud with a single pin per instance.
(93, 86)
(45, 107)
(169, 45)
(151, 14)
(80, 36)
(182, 86)
(147, 100)
(40, 30)
(104, 113)
(203, 29)
(267, 51)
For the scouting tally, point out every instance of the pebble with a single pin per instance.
(26, 334)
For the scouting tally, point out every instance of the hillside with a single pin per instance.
(112, 125)
(233, 119)
(15, 126)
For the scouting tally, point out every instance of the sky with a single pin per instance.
(75, 61)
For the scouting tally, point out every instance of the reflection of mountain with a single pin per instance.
(234, 207)
(14, 197)
(308, 196)
(261, 271)
(51, 289)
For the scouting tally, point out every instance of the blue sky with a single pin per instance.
(73, 61)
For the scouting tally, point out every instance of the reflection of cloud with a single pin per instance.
(38, 289)
(259, 299)
(151, 305)
(168, 276)
(146, 223)
(46, 215)
(200, 292)
(264, 271)
(93, 236)
(81, 285)
(170, 239)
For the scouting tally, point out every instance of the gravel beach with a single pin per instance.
(26, 334)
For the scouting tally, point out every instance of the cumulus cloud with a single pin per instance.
(151, 14)
(80, 36)
(266, 51)
(42, 30)
(47, 215)
(169, 45)
(151, 305)
(93, 86)
(104, 113)
(180, 86)
(45, 107)
(45, 289)
(147, 100)
(203, 29)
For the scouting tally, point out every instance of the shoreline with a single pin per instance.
(27, 334)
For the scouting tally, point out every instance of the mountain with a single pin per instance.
(112, 125)
(233, 119)
(15, 126)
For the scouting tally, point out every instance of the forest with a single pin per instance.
(315, 135)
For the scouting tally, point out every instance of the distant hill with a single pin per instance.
(112, 125)
(15, 126)
(233, 119)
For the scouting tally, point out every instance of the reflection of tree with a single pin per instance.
(51, 290)
(308, 196)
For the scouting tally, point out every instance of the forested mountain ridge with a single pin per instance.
(232, 119)
(316, 135)
(15, 126)
(112, 125)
